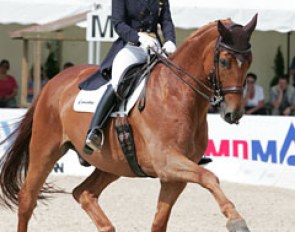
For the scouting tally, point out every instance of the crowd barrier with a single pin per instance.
(260, 150)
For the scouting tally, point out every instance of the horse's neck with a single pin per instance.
(190, 57)
(192, 52)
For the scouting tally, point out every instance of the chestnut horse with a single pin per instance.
(171, 134)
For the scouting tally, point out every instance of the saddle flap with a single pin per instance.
(87, 101)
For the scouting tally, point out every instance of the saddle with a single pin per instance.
(132, 80)
(130, 88)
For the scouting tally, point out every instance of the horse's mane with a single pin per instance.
(210, 28)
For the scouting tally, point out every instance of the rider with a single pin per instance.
(137, 23)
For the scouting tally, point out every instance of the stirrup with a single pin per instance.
(95, 139)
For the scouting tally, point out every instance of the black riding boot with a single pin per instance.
(95, 135)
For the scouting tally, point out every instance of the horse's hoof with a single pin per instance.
(237, 226)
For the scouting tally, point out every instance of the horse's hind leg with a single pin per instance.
(179, 168)
(42, 160)
(168, 196)
(87, 194)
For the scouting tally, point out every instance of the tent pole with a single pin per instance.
(98, 52)
(25, 58)
(37, 67)
(288, 52)
(91, 52)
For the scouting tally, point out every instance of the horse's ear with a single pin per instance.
(224, 32)
(250, 27)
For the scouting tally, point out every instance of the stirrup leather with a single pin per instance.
(95, 139)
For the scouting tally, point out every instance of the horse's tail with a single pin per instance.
(14, 163)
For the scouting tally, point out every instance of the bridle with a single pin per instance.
(215, 88)
(214, 74)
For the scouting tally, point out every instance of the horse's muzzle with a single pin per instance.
(233, 117)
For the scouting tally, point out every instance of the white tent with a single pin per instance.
(40, 11)
(276, 15)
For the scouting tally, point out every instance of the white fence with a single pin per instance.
(260, 150)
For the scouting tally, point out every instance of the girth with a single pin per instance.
(125, 137)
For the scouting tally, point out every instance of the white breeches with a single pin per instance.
(126, 57)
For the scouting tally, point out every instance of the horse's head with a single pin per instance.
(232, 58)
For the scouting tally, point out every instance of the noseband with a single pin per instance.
(216, 90)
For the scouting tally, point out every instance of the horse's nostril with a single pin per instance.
(233, 117)
(227, 117)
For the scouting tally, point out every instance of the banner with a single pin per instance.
(67, 165)
(260, 150)
(9, 119)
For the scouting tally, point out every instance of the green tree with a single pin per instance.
(279, 66)
(52, 64)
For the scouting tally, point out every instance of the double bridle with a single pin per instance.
(214, 77)
(215, 89)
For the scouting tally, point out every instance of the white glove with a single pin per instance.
(169, 47)
(147, 41)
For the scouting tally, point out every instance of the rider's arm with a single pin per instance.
(167, 25)
(127, 33)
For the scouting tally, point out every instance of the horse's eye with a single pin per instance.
(224, 63)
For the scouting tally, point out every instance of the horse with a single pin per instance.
(170, 134)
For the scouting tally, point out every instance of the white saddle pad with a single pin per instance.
(87, 101)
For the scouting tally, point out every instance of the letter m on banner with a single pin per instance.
(99, 26)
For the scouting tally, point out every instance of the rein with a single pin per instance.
(216, 90)
(172, 66)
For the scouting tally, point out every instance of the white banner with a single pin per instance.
(8, 122)
(67, 165)
(260, 150)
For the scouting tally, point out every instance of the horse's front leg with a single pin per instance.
(168, 196)
(179, 168)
